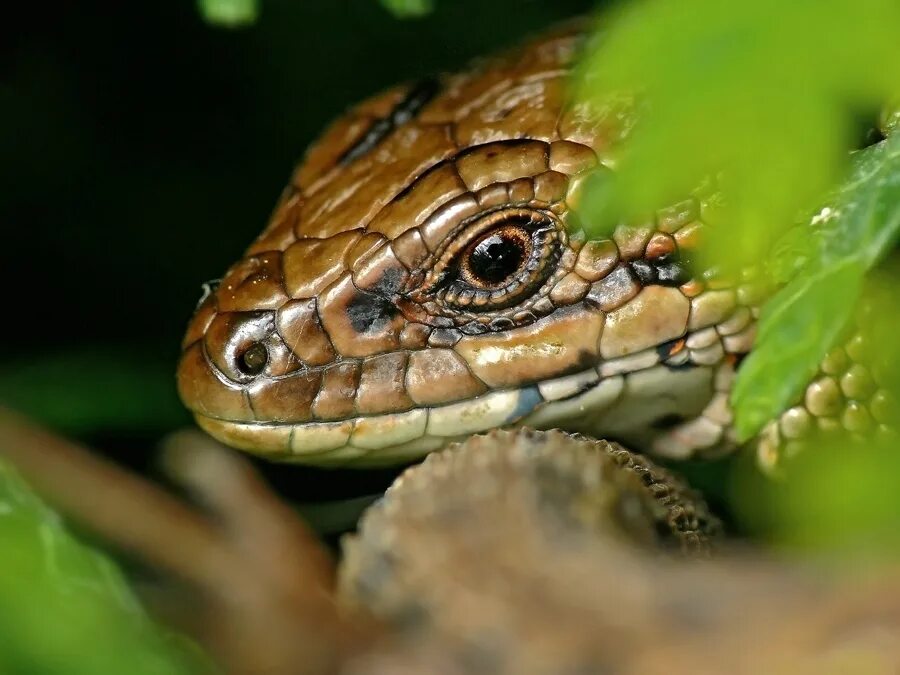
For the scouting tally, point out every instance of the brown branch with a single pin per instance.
(258, 590)
(129, 513)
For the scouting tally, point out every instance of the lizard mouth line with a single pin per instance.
(390, 438)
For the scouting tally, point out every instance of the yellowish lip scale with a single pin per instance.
(424, 278)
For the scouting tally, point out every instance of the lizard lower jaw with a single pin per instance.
(622, 405)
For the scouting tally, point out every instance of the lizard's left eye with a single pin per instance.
(498, 260)
(490, 260)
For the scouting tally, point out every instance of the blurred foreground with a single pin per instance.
(147, 134)
(517, 552)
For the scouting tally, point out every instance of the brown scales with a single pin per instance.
(343, 303)
(336, 287)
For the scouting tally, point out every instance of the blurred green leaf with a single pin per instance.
(406, 9)
(882, 321)
(66, 609)
(761, 95)
(796, 329)
(95, 390)
(802, 321)
(229, 13)
(838, 497)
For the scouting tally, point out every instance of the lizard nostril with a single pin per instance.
(253, 359)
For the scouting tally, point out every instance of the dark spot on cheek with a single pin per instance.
(663, 271)
(644, 271)
(370, 312)
(390, 282)
(672, 274)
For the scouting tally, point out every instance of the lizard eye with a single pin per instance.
(493, 258)
(498, 260)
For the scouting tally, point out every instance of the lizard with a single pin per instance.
(425, 277)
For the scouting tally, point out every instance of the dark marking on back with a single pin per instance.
(370, 311)
(416, 98)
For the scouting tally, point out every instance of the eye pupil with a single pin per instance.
(254, 359)
(495, 258)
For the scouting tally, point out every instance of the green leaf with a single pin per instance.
(865, 223)
(229, 13)
(796, 329)
(65, 608)
(804, 319)
(762, 95)
(407, 9)
(838, 498)
(95, 389)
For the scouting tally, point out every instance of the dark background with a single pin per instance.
(142, 149)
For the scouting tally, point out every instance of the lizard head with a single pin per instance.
(425, 277)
